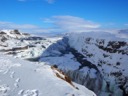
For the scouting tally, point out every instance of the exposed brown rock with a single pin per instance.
(64, 77)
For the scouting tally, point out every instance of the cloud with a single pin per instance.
(10, 25)
(126, 24)
(58, 24)
(76, 24)
(50, 1)
(72, 23)
(21, 0)
(23, 27)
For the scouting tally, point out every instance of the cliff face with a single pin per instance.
(96, 60)
(109, 54)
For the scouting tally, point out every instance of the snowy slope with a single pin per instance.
(22, 46)
(22, 78)
(95, 60)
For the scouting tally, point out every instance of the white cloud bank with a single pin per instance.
(58, 24)
(72, 23)
(10, 25)
(23, 27)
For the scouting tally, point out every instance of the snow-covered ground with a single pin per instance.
(23, 78)
(97, 60)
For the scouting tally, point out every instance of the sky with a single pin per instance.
(46, 16)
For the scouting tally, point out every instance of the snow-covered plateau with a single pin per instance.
(97, 60)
